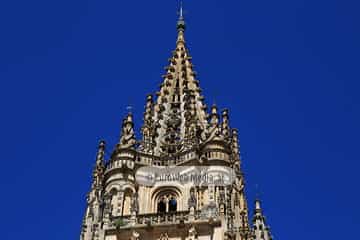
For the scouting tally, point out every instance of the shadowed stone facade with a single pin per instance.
(178, 130)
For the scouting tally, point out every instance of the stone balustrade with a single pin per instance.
(147, 160)
(153, 219)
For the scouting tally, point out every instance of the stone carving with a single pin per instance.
(192, 233)
(238, 185)
(192, 201)
(127, 139)
(191, 120)
(149, 127)
(222, 196)
(213, 128)
(135, 235)
(107, 205)
(134, 206)
(98, 172)
(225, 123)
(209, 211)
(171, 142)
(164, 236)
(91, 211)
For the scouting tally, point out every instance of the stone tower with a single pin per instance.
(179, 134)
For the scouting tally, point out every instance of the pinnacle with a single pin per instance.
(102, 144)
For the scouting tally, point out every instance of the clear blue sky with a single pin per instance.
(287, 70)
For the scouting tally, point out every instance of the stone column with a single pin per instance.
(211, 194)
(120, 200)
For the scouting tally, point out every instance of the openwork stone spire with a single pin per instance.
(179, 109)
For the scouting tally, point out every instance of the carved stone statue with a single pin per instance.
(107, 205)
(192, 201)
(222, 196)
(213, 129)
(128, 135)
(134, 206)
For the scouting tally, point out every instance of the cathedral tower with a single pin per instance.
(179, 135)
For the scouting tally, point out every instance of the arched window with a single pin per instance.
(167, 203)
(166, 199)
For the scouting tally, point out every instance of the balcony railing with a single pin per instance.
(153, 219)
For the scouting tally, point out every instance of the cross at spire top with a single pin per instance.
(181, 10)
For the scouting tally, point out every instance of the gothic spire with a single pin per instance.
(179, 100)
(261, 230)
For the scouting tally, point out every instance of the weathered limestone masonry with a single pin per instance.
(177, 131)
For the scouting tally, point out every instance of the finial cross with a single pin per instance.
(181, 12)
